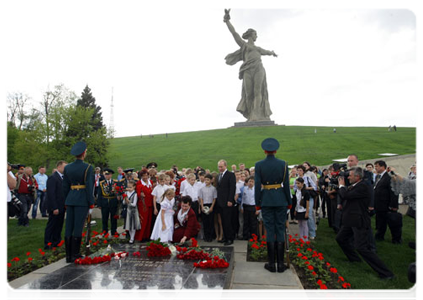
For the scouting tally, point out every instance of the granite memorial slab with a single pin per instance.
(138, 272)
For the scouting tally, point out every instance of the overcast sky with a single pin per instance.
(165, 62)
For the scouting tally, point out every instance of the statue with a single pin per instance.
(254, 104)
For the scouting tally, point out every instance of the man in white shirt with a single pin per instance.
(41, 178)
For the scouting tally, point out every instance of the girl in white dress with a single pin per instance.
(132, 218)
(163, 227)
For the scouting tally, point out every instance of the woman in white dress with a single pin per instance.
(163, 227)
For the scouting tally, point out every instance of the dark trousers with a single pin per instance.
(108, 212)
(194, 207)
(54, 228)
(382, 222)
(226, 216)
(208, 224)
(235, 219)
(324, 203)
(294, 205)
(250, 221)
(26, 200)
(75, 220)
(274, 218)
(361, 245)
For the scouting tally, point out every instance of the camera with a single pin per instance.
(30, 188)
(340, 170)
(13, 166)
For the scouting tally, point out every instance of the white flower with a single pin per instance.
(173, 250)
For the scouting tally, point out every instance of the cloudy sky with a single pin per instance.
(336, 65)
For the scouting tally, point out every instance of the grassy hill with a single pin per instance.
(236, 145)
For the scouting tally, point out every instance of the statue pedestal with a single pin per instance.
(255, 124)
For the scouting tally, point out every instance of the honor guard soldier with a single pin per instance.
(274, 199)
(78, 189)
(152, 165)
(107, 200)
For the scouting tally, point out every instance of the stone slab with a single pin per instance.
(138, 273)
(261, 276)
(255, 124)
(268, 292)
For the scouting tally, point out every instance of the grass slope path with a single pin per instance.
(319, 145)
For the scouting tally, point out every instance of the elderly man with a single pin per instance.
(226, 186)
(274, 199)
(26, 187)
(356, 222)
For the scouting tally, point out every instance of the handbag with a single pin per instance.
(313, 193)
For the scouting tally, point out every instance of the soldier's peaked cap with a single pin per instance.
(270, 144)
(108, 171)
(78, 148)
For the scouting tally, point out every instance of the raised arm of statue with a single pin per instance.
(231, 28)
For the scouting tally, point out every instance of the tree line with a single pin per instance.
(44, 134)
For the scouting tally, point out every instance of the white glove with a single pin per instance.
(90, 211)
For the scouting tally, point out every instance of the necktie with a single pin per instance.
(377, 178)
(220, 176)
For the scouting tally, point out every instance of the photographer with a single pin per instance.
(356, 222)
(11, 184)
(26, 187)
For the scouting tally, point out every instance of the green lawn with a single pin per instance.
(236, 145)
(360, 275)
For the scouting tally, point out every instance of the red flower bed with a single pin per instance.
(311, 264)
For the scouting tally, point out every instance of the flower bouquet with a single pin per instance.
(157, 249)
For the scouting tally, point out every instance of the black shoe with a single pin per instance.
(387, 277)
(228, 242)
(68, 248)
(222, 241)
(76, 248)
(270, 266)
(280, 249)
(397, 242)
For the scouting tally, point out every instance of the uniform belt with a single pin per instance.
(78, 187)
(272, 186)
(109, 197)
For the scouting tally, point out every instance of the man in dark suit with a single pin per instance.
(78, 189)
(274, 199)
(386, 202)
(226, 187)
(356, 222)
(55, 204)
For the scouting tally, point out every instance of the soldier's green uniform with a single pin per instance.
(107, 200)
(274, 198)
(78, 189)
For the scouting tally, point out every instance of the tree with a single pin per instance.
(16, 113)
(88, 101)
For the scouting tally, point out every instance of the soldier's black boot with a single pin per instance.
(68, 248)
(270, 266)
(280, 249)
(76, 248)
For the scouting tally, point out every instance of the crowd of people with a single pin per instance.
(176, 205)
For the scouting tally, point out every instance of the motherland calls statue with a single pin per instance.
(254, 104)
